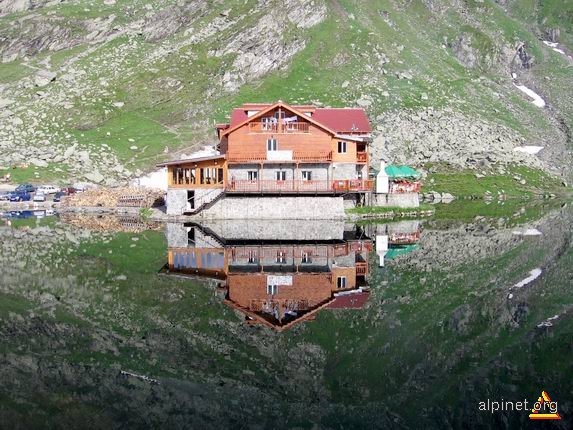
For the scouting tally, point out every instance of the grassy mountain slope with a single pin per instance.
(136, 81)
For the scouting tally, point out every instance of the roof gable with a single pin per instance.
(239, 114)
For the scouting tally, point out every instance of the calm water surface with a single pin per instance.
(114, 323)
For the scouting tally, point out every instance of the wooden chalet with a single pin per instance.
(278, 284)
(279, 149)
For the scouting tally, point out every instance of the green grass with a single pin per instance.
(466, 184)
(54, 173)
(393, 209)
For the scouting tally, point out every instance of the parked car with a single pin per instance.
(58, 196)
(48, 189)
(25, 188)
(20, 197)
(4, 196)
(69, 190)
(39, 196)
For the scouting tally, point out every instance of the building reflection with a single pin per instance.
(276, 274)
(395, 239)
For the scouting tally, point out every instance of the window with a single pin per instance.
(220, 176)
(272, 144)
(272, 289)
(281, 257)
(341, 282)
(341, 147)
(281, 176)
(191, 199)
(267, 122)
(306, 175)
(253, 175)
(253, 258)
(306, 258)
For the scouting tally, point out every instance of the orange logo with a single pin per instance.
(544, 403)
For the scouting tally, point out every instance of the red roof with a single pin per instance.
(349, 301)
(343, 120)
(340, 120)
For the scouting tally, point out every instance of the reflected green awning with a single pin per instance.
(399, 250)
(401, 172)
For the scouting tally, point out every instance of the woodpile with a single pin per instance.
(116, 197)
(109, 223)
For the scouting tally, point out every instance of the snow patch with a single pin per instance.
(533, 275)
(537, 100)
(547, 322)
(528, 232)
(528, 149)
(553, 46)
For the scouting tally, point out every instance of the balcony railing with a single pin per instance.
(405, 187)
(279, 127)
(353, 185)
(302, 156)
(299, 186)
(361, 157)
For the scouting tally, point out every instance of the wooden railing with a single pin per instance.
(353, 185)
(362, 268)
(298, 186)
(279, 127)
(304, 156)
(312, 156)
(247, 186)
(361, 157)
(405, 187)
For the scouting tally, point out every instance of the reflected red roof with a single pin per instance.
(349, 301)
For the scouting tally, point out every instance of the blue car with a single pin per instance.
(25, 188)
(20, 197)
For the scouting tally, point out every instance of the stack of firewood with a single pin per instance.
(108, 223)
(115, 197)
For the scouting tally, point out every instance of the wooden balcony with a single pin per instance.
(299, 187)
(297, 156)
(361, 157)
(279, 127)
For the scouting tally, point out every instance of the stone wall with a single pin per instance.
(176, 201)
(400, 200)
(312, 229)
(258, 207)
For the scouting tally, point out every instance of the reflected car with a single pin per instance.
(20, 197)
(4, 196)
(39, 197)
(25, 188)
(48, 189)
(69, 190)
(58, 196)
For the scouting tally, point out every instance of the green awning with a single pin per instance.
(401, 172)
(399, 250)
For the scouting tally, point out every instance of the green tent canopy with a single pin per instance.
(395, 251)
(399, 172)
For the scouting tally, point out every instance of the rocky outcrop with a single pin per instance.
(431, 135)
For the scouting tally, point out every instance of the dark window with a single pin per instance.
(253, 175)
(306, 175)
(272, 144)
(341, 147)
(281, 176)
(341, 282)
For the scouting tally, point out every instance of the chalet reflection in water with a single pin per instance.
(276, 274)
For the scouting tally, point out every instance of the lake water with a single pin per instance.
(116, 323)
